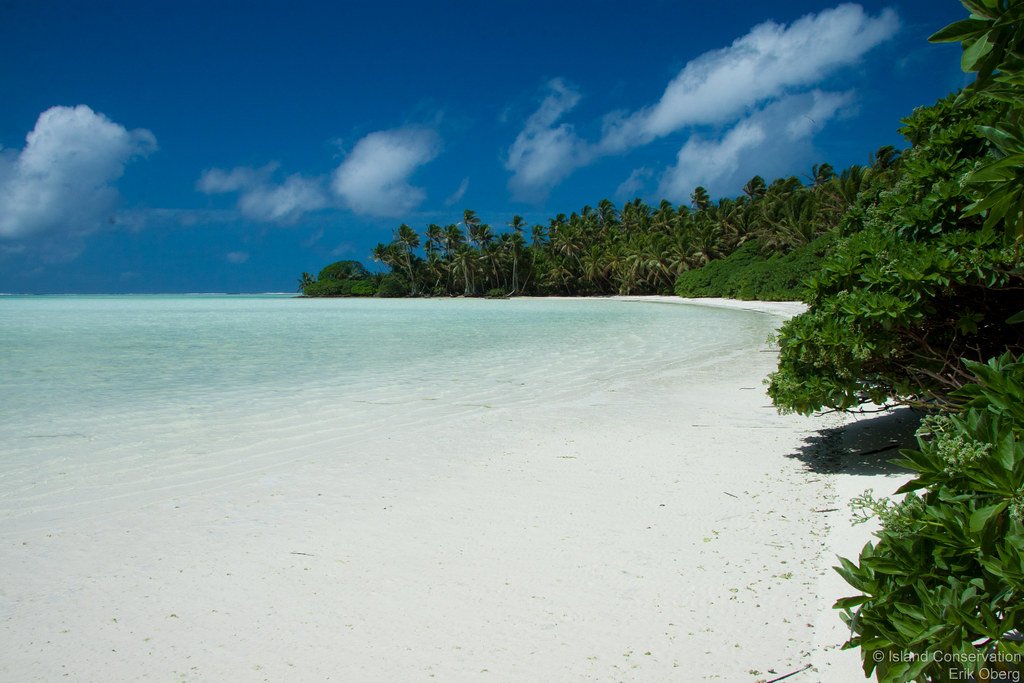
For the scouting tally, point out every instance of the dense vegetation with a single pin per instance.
(915, 285)
(920, 302)
(637, 249)
(748, 273)
(942, 587)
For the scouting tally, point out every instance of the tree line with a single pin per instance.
(606, 249)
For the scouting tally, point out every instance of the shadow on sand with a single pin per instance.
(865, 446)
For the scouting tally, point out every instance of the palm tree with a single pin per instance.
(408, 239)
(755, 188)
(595, 266)
(435, 237)
(607, 217)
(480, 235)
(700, 199)
(664, 218)
(305, 281)
(635, 217)
(437, 266)
(821, 174)
(514, 243)
(465, 261)
(383, 253)
(884, 158)
(470, 221)
(538, 235)
(790, 222)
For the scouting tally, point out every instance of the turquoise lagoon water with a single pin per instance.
(64, 355)
(172, 388)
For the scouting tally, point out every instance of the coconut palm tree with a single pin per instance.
(755, 188)
(821, 174)
(884, 158)
(407, 240)
(435, 237)
(700, 199)
(466, 262)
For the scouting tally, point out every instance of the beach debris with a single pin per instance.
(792, 673)
(729, 494)
(306, 554)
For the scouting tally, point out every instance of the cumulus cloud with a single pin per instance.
(766, 63)
(546, 151)
(374, 178)
(767, 142)
(260, 198)
(61, 182)
(730, 87)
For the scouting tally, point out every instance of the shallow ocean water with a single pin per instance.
(111, 396)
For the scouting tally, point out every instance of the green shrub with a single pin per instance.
(915, 286)
(340, 287)
(496, 293)
(748, 274)
(344, 270)
(393, 285)
(943, 586)
(329, 287)
(363, 288)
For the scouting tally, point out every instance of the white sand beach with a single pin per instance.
(666, 526)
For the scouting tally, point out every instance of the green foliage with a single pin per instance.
(496, 293)
(332, 287)
(993, 41)
(393, 285)
(364, 288)
(942, 588)
(344, 270)
(635, 249)
(914, 287)
(341, 278)
(928, 279)
(748, 274)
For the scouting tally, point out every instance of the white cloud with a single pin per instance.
(62, 181)
(217, 181)
(768, 142)
(765, 64)
(237, 257)
(459, 193)
(374, 178)
(544, 153)
(314, 238)
(770, 64)
(283, 203)
(631, 186)
(261, 199)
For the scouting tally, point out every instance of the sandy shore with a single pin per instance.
(670, 529)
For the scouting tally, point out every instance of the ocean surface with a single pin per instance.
(106, 397)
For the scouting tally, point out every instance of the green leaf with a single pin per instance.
(981, 516)
(959, 30)
(981, 8)
(975, 53)
(852, 601)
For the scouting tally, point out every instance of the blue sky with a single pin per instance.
(229, 146)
